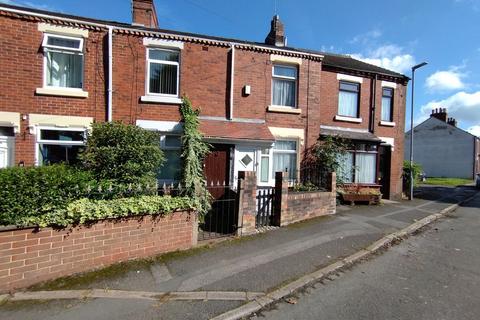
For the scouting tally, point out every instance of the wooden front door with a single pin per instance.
(217, 168)
(385, 156)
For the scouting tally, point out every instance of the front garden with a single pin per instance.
(116, 177)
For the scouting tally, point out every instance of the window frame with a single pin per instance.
(39, 142)
(165, 147)
(175, 63)
(392, 90)
(261, 156)
(356, 150)
(359, 86)
(64, 50)
(295, 152)
(285, 78)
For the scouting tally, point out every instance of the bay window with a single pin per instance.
(59, 145)
(163, 72)
(171, 146)
(348, 99)
(387, 104)
(284, 86)
(285, 158)
(359, 165)
(63, 61)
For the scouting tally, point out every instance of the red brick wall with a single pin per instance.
(28, 257)
(307, 205)
(329, 107)
(397, 132)
(329, 91)
(21, 64)
(204, 77)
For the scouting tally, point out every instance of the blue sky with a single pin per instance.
(393, 34)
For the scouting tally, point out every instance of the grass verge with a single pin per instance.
(452, 182)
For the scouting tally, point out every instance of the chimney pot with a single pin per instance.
(440, 114)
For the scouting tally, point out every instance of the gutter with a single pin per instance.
(232, 78)
(110, 75)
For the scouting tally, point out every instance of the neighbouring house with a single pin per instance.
(263, 105)
(443, 149)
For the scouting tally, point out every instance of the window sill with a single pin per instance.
(160, 99)
(281, 109)
(387, 123)
(348, 119)
(62, 92)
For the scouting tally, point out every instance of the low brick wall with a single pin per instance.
(307, 205)
(29, 256)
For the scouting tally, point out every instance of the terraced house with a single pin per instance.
(263, 105)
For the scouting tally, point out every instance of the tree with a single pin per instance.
(122, 153)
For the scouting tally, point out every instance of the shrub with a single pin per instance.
(122, 153)
(328, 152)
(35, 191)
(416, 169)
(87, 211)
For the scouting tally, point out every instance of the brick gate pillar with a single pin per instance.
(247, 188)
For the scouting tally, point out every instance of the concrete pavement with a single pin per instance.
(255, 264)
(434, 275)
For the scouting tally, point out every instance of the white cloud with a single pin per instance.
(390, 57)
(367, 37)
(463, 106)
(445, 80)
(475, 130)
(29, 4)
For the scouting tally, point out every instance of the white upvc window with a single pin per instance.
(349, 99)
(171, 169)
(264, 177)
(59, 145)
(63, 61)
(163, 72)
(284, 86)
(285, 158)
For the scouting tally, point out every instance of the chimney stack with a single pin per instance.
(276, 36)
(452, 122)
(144, 13)
(440, 114)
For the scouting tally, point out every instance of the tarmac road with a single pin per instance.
(434, 275)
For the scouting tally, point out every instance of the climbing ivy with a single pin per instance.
(194, 151)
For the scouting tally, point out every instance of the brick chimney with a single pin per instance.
(452, 122)
(276, 37)
(440, 114)
(144, 13)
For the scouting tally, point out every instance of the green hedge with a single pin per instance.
(35, 191)
(86, 211)
(29, 194)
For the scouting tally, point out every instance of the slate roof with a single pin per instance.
(230, 130)
(349, 63)
(350, 134)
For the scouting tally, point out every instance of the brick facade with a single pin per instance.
(29, 256)
(204, 78)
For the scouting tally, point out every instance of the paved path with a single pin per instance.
(434, 275)
(255, 264)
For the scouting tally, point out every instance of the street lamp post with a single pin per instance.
(411, 126)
